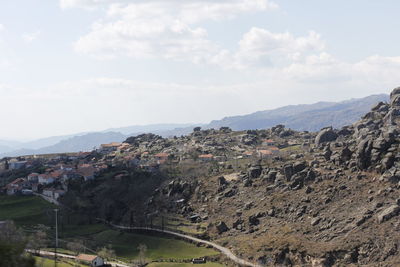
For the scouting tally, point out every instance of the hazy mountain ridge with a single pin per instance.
(85, 142)
(148, 128)
(310, 117)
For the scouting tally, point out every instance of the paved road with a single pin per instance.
(223, 250)
(60, 255)
(49, 253)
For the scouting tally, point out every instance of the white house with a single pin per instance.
(93, 260)
(16, 165)
(53, 193)
(45, 179)
(48, 192)
(33, 177)
(58, 193)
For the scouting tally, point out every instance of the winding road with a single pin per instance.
(222, 249)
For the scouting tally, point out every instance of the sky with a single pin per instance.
(69, 66)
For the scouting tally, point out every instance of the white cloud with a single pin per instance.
(173, 30)
(82, 3)
(30, 37)
(1, 27)
(214, 9)
(162, 29)
(261, 49)
(195, 11)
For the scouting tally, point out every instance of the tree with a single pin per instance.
(142, 254)
(107, 253)
(76, 246)
(38, 241)
(12, 246)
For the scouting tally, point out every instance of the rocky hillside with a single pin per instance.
(332, 203)
(276, 196)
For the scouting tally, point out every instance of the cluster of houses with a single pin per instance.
(53, 183)
(149, 154)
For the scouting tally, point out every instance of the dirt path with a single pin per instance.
(222, 249)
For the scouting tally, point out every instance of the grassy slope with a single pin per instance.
(126, 245)
(45, 262)
(71, 231)
(27, 210)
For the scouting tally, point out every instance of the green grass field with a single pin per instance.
(126, 245)
(45, 262)
(30, 211)
(181, 224)
(172, 264)
(71, 231)
(25, 210)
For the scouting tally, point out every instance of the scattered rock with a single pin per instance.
(388, 213)
(221, 227)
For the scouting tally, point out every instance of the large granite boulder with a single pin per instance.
(325, 135)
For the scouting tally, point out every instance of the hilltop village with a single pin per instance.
(224, 148)
(273, 196)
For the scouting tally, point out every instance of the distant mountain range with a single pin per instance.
(311, 117)
(84, 141)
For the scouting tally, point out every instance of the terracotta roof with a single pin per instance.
(88, 171)
(265, 152)
(274, 148)
(269, 141)
(162, 155)
(18, 181)
(44, 176)
(113, 144)
(206, 156)
(56, 174)
(85, 165)
(86, 257)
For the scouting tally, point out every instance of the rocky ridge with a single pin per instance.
(274, 196)
(333, 203)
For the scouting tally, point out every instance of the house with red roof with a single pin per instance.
(16, 186)
(206, 157)
(92, 260)
(264, 153)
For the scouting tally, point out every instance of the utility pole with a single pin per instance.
(55, 251)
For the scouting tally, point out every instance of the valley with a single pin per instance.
(29, 212)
